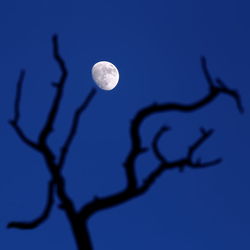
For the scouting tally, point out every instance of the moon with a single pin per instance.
(105, 75)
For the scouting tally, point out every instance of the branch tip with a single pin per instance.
(199, 164)
(55, 38)
(206, 72)
(74, 127)
(233, 93)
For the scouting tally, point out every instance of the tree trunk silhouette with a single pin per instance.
(81, 234)
(78, 219)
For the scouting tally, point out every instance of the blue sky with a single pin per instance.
(156, 45)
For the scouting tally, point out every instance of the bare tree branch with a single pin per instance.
(205, 135)
(155, 145)
(42, 218)
(98, 204)
(233, 93)
(132, 189)
(206, 73)
(74, 127)
(18, 96)
(48, 126)
(186, 161)
(79, 229)
(222, 86)
(15, 121)
(143, 114)
(78, 219)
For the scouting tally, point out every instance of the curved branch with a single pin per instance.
(42, 218)
(15, 121)
(143, 114)
(98, 204)
(132, 189)
(146, 113)
(186, 161)
(23, 137)
(155, 142)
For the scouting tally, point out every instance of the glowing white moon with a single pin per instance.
(105, 75)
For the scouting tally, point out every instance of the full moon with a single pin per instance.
(105, 75)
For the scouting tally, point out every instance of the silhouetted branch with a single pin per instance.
(78, 219)
(221, 85)
(79, 229)
(18, 96)
(155, 145)
(143, 114)
(98, 203)
(205, 135)
(132, 190)
(187, 161)
(74, 126)
(206, 73)
(15, 122)
(48, 126)
(233, 93)
(42, 218)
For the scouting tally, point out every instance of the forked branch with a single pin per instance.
(133, 189)
(57, 184)
(101, 203)
(215, 89)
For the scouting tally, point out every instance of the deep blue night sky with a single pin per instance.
(156, 45)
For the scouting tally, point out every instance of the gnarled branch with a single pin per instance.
(214, 91)
(58, 181)
(132, 189)
(98, 204)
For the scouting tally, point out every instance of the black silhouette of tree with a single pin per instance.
(78, 219)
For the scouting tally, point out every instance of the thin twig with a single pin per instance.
(155, 143)
(205, 134)
(233, 93)
(206, 73)
(15, 121)
(74, 127)
(18, 96)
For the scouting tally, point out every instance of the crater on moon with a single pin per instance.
(105, 75)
